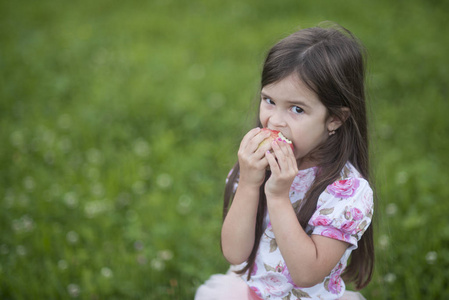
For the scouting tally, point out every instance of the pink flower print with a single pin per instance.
(300, 187)
(335, 234)
(335, 283)
(332, 233)
(356, 214)
(349, 226)
(287, 275)
(368, 202)
(321, 221)
(276, 284)
(256, 291)
(344, 188)
(254, 271)
(302, 182)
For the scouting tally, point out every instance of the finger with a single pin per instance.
(255, 143)
(252, 141)
(250, 135)
(284, 146)
(287, 150)
(293, 161)
(256, 150)
(274, 167)
(263, 164)
(291, 157)
(280, 155)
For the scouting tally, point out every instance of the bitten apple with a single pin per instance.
(275, 135)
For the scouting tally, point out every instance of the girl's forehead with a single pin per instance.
(290, 88)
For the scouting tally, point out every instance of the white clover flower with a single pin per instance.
(141, 148)
(24, 224)
(401, 177)
(139, 187)
(74, 290)
(94, 208)
(29, 183)
(391, 209)
(164, 181)
(390, 278)
(106, 272)
(17, 139)
(184, 204)
(431, 257)
(17, 225)
(97, 189)
(165, 254)
(21, 250)
(62, 264)
(384, 241)
(94, 156)
(157, 264)
(72, 237)
(70, 199)
(65, 144)
(28, 223)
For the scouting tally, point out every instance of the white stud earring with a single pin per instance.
(331, 132)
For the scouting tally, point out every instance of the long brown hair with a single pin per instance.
(331, 62)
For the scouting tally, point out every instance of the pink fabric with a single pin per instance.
(231, 287)
(225, 287)
(349, 295)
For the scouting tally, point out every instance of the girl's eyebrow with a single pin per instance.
(291, 102)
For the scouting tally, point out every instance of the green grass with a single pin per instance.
(120, 120)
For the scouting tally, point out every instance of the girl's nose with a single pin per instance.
(277, 120)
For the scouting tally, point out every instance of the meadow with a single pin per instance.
(119, 121)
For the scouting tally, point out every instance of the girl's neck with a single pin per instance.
(306, 164)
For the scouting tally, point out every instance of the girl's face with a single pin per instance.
(292, 108)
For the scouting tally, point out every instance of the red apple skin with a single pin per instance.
(274, 135)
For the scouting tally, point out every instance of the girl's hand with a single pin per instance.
(252, 158)
(283, 167)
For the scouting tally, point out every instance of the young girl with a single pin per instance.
(296, 216)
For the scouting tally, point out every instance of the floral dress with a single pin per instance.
(344, 212)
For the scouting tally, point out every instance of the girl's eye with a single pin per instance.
(268, 100)
(297, 110)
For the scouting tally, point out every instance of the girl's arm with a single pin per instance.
(237, 234)
(308, 259)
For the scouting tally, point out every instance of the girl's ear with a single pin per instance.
(334, 122)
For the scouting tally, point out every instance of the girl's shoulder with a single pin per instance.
(350, 190)
(351, 184)
(345, 208)
(349, 171)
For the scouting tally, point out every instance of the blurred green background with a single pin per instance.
(120, 120)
